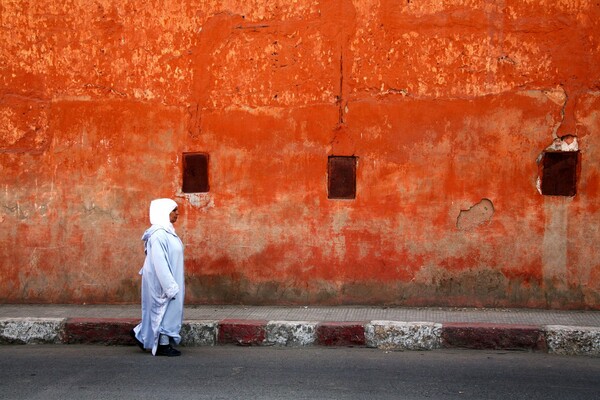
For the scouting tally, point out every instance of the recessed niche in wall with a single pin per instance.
(195, 173)
(341, 177)
(559, 174)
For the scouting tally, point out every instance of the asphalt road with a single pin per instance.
(228, 372)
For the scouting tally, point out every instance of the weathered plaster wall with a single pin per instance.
(446, 105)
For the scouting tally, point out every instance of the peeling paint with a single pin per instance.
(477, 215)
(201, 201)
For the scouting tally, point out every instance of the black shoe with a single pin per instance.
(167, 350)
(140, 344)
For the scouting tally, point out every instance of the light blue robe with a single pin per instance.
(163, 287)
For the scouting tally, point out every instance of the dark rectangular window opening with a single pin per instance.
(341, 177)
(195, 173)
(559, 174)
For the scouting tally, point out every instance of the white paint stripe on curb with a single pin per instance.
(573, 340)
(31, 330)
(290, 333)
(199, 333)
(395, 335)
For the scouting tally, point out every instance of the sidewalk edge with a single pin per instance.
(387, 335)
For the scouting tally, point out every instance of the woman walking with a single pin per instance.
(163, 286)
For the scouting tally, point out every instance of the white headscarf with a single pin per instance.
(159, 213)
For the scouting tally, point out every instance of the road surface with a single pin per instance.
(229, 372)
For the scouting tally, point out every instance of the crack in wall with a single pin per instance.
(561, 98)
(106, 89)
(252, 27)
(340, 97)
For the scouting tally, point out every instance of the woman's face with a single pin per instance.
(173, 215)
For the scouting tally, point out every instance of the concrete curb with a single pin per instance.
(573, 340)
(199, 333)
(394, 335)
(342, 334)
(291, 333)
(97, 330)
(31, 330)
(387, 335)
(493, 336)
(241, 332)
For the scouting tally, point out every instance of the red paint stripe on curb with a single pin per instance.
(340, 334)
(242, 332)
(493, 336)
(108, 331)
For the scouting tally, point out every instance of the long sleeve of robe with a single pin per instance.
(163, 288)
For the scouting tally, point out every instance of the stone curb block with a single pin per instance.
(394, 335)
(390, 335)
(290, 333)
(199, 333)
(573, 340)
(346, 334)
(31, 330)
(492, 336)
(242, 332)
(109, 331)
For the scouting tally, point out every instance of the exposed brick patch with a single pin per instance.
(108, 331)
(493, 336)
(242, 332)
(340, 334)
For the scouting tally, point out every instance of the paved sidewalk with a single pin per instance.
(563, 332)
(315, 313)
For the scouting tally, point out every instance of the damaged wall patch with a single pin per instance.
(481, 213)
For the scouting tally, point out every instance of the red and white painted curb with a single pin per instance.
(388, 335)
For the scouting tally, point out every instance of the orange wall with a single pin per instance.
(445, 104)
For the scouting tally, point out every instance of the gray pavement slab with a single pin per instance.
(321, 313)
